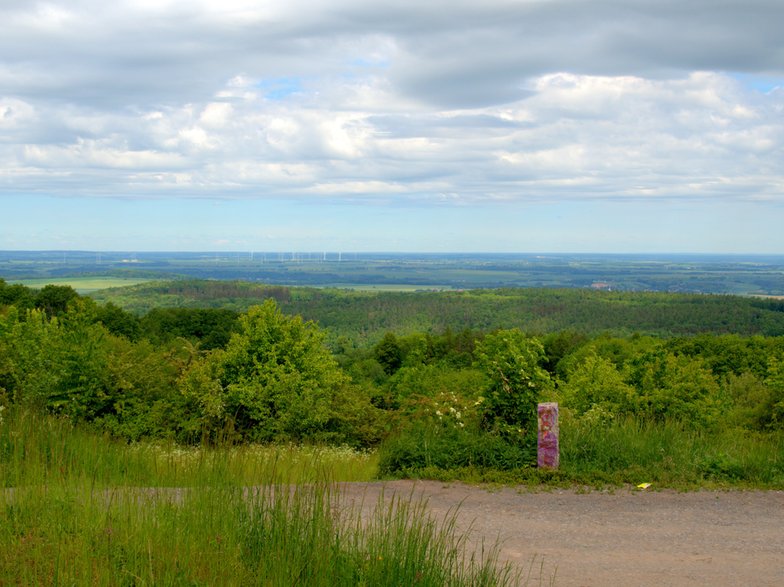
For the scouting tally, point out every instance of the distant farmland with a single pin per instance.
(83, 285)
(673, 273)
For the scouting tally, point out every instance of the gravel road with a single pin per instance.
(623, 537)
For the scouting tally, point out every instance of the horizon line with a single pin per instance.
(384, 252)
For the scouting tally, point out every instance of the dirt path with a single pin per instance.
(629, 538)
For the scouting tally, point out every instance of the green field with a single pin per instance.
(83, 285)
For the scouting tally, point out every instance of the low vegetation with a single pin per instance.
(82, 509)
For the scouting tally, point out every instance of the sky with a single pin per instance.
(615, 126)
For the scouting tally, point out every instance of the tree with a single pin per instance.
(276, 380)
(31, 349)
(118, 321)
(673, 387)
(54, 299)
(18, 295)
(773, 413)
(596, 386)
(212, 327)
(560, 344)
(513, 364)
(389, 354)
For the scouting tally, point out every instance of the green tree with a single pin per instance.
(212, 327)
(512, 362)
(560, 344)
(750, 400)
(773, 413)
(73, 366)
(118, 321)
(18, 295)
(54, 299)
(677, 388)
(31, 352)
(389, 354)
(597, 388)
(276, 380)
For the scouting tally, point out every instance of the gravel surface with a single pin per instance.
(622, 537)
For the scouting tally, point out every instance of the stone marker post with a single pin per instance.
(547, 441)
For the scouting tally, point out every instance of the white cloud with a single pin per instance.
(99, 154)
(15, 114)
(499, 100)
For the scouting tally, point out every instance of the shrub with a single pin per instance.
(276, 380)
(512, 362)
(429, 446)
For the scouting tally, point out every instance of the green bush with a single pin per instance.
(276, 380)
(513, 363)
(447, 448)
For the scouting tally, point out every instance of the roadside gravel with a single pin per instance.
(623, 537)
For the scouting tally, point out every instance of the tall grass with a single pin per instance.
(617, 453)
(40, 450)
(671, 454)
(80, 509)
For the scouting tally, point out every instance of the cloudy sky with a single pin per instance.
(427, 125)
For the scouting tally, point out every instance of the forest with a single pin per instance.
(365, 316)
(439, 383)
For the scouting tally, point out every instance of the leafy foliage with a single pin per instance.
(463, 398)
(512, 362)
(598, 389)
(671, 387)
(366, 317)
(389, 354)
(54, 299)
(73, 366)
(274, 381)
(210, 327)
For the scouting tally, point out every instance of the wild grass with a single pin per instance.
(618, 453)
(672, 454)
(38, 450)
(80, 509)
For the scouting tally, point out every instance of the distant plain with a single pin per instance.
(86, 271)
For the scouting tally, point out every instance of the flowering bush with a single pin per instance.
(449, 410)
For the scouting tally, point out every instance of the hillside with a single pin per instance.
(365, 315)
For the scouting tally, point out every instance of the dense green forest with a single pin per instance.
(365, 316)
(439, 381)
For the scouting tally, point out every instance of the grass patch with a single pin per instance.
(38, 450)
(672, 454)
(85, 510)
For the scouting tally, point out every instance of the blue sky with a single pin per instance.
(502, 125)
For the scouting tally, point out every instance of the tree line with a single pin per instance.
(365, 316)
(268, 375)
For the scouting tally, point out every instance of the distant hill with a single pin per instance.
(364, 316)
